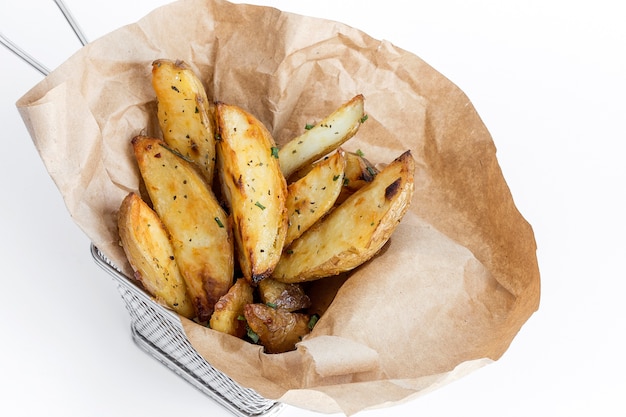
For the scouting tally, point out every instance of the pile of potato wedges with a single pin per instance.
(229, 227)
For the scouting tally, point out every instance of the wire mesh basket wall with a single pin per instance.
(160, 333)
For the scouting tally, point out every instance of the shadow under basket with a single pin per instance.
(159, 332)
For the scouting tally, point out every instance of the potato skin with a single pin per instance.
(199, 228)
(278, 330)
(185, 114)
(359, 172)
(290, 297)
(229, 310)
(254, 188)
(149, 251)
(355, 230)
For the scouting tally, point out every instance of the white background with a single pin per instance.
(549, 80)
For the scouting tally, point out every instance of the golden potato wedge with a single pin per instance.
(228, 314)
(359, 171)
(278, 330)
(147, 246)
(199, 228)
(323, 138)
(254, 188)
(354, 231)
(290, 297)
(312, 196)
(184, 113)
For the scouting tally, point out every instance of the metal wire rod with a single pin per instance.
(32, 61)
(22, 54)
(73, 23)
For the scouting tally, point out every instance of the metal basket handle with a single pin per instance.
(29, 59)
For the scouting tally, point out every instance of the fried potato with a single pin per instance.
(185, 114)
(278, 330)
(355, 230)
(147, 246)
(254, 188)
(290, 297)
(199, 228)
(359, 171)
(322, 138)
(312, 196)
(228, 314)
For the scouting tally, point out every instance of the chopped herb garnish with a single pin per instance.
(259, 205)
(275, 152)
(336, 177)
(219, 222)
(313, 320)
(175, 152)
(252, 335)
(241, 318)
(309, 126)
(360, 153)
(271, 305)
(364, 118)
(371, 171)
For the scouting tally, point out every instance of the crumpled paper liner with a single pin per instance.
(458, 278)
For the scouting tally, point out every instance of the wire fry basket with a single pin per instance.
(159, 332)
(155, 329)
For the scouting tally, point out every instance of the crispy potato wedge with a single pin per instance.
(254, 188)
(312, 196)
(354, 231)
(290, 297)
(147, 246)
(199, 228)
(359, 172)
(323, 138)
(278, 330)
(185, 114)
(228, 314)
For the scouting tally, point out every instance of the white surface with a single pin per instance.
(549, 80)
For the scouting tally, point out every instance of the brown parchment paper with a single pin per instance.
(458, 278)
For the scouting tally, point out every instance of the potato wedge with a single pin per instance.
(199, 228)
(359, 172)
(278, 330)
(354, 231)
(185, 114)
(147, 246)
(290, 297)
(323, 138)
(228, 314)
(254, 188)
(312, 196)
